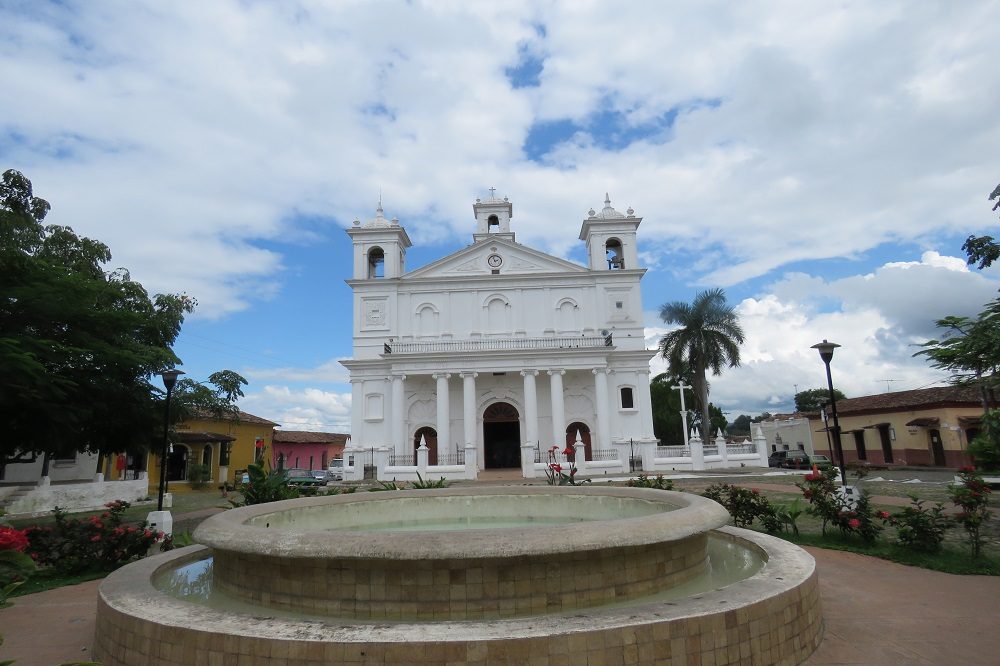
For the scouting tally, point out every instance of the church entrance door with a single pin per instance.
(501, 436)
(577, 427)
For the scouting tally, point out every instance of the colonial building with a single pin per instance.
(931, 426)
(306, 449)
(498, 346)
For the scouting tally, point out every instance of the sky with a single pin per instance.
(821, 162)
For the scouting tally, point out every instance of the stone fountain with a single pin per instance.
(467, 575)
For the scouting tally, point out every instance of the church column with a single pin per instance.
(469, 407)
(530, 407)
(358, 411)
(558, 409)
(603, 415)
(645, 403)
(443, 417)
(398, 414)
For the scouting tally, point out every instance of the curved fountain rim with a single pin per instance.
(689, 515)
(130, 590)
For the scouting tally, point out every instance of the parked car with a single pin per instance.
(791, 459)
(820, 461)
(336, 470)
(302, 477)
(796, 460)
(776, 458)
(321, 475)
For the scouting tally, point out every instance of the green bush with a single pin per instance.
(985, 448)
(198, 475)
(659, 482)
(919, 528)
(264, 485)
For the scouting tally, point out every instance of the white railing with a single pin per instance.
(740, 449)
(497, 344)
(604, 454)
(673, 451)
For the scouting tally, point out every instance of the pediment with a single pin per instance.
(516, 259)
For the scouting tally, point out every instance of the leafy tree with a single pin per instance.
(218, 400)
(708, 338)
(985, 448)
(813, 400)
(741, 424)
(78, 344)
(969, 349)
(983, 249)
(666, 403)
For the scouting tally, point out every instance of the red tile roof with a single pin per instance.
(244, 417)
(307, 437)
(928, 398)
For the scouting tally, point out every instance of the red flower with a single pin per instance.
(755, 491)
(554, 448)
(11, 539)
(854, 523)
(96, 537)
(569, 451)
(884, 515)
(556, 467)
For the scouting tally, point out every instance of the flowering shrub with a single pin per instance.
(555, 474)
(862, 520)
(11, 539)
(96, 543)
(15, 566)
(919, 528)
(818, 488)
(745, 506)
(971, 497)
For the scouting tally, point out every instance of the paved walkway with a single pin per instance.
(877, 612)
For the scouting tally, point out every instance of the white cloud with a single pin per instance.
(330, 371)
(301, 409)
(877, 318)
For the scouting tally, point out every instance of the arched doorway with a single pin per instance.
(431, 440)
(177, 461)
(584, 430)
(501, 436)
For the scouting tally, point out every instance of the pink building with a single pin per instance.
(306, 450)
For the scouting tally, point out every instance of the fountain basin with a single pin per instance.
(772, 616)
(611, 544)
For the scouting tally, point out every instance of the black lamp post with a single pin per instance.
(825, 350)
(169, 379)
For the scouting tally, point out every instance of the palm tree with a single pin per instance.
(708, 337)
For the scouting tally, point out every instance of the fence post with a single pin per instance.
(647, 452)
(697, 451)
(720, 444)
(528, 460)
(580, 454)
(471, 465)
(761, 442)
(381, 455)
(423, 456)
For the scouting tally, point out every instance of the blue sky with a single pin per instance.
(821, 163)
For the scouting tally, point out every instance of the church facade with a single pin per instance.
(499, 347)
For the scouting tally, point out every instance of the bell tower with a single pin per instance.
(610, 238)
(379, 247)
(493, 218)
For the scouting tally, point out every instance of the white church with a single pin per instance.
(489, 357)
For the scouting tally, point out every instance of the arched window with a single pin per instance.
(613, 252)
(376, 263)
(491, 222)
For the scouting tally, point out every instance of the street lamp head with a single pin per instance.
(170, 377)
(825, 350)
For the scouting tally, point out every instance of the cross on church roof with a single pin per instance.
(493, 192)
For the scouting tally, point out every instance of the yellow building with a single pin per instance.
(226, 445)
(930, 426)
